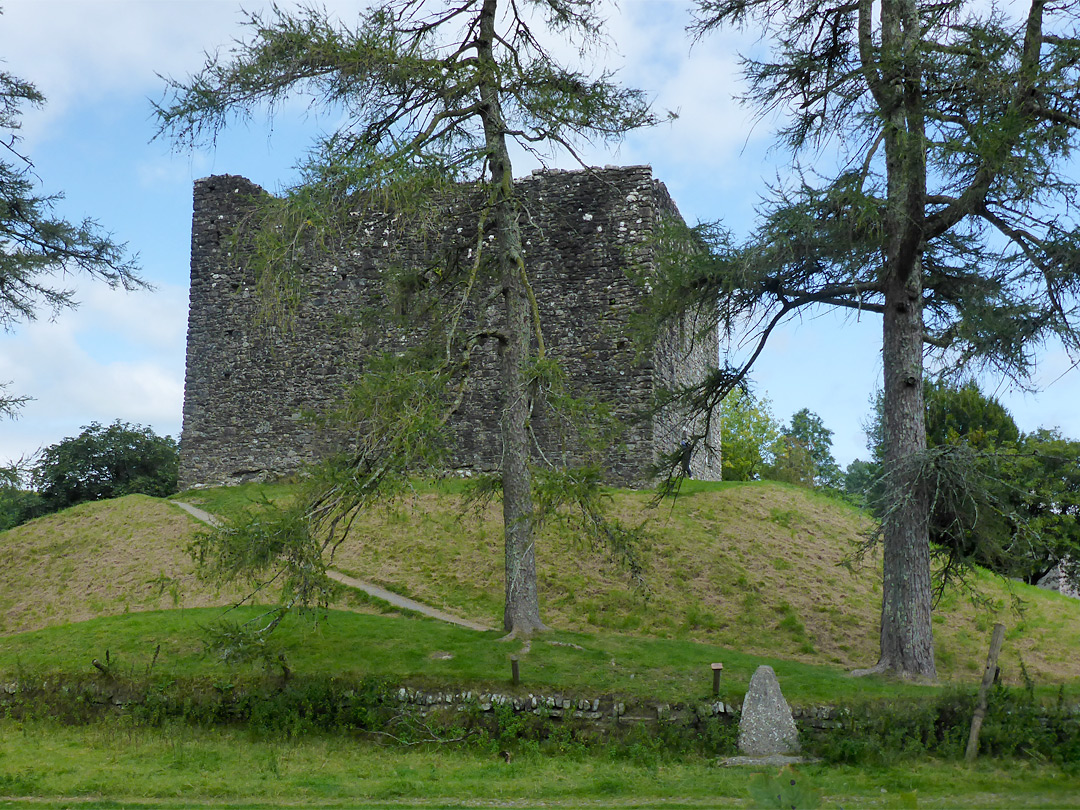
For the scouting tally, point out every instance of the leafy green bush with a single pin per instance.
(267, 707)
(17, 505)
(107, 462)
(876, 734)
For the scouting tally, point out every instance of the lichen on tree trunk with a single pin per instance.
(522, 612)
(907, 639)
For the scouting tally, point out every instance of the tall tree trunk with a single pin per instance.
(907, 642)
(522, 611)
(521, 615)
(894, 74)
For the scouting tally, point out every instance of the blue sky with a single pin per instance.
(121, 355)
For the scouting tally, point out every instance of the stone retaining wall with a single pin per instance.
(604, 708)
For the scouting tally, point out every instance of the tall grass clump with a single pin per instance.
(1018, 724)
(508, 733)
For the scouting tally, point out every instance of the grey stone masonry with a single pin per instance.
(766, 726)
(252, 386)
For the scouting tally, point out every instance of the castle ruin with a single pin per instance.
(251, 387)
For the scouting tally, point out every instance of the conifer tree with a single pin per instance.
(428, 93)
(951, 214)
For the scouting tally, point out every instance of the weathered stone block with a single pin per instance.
(766, 726)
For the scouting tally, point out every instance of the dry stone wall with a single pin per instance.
(252, 386)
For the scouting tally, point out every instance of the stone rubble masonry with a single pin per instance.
(251, 386)
(603, 708)
(766, 726)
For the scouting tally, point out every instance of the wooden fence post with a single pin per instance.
(988, 679)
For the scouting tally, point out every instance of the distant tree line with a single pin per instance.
(101, 462)
(756, 445)
(1000, 498)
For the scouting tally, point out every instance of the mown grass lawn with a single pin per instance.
(426, 653)
(116, 764)
(115, 761)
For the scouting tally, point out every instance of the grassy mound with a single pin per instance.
(100, 559)
(763, 569)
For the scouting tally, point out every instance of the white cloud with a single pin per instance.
(83, 52)
(146, 319)
(78, 47)
(118, 356)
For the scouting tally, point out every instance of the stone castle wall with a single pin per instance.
(252, 386)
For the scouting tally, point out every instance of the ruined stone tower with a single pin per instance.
(251, 388)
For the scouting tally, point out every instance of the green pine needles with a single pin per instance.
(429, 98)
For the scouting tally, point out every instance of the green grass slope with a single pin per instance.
(761, 568)
(100, 559)
(754, 568)
(422, 653)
